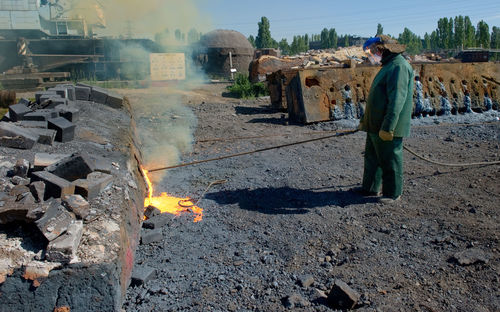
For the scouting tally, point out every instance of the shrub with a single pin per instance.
(243, 88)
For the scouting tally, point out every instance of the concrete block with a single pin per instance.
(55, 222)
(32, 124)
(82, 93)
(142, 274)
(342, 296)
(99, 95)
(63, 249)
(24, 101)
(114, 100)
(87, 189)
(158, 221)
(151, 236)
(38, 190)
(102, 165)
(21, 168)
(70, 113)
(78, 205)
(55, 186)
(65, 129)
(43, 160)
(54, 102)
(61, 91)
(18, 111)
(46, 136)
(38, 95)
(16, 137)
(151, 211)
(41, 115)
(71, 90)
(74, 167)
(102, 179)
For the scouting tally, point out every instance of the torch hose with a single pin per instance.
(338, 134)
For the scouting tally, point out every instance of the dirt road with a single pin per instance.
(288, 214)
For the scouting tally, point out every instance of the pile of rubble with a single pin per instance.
(71, 200)
(342, 57)
(51, 116)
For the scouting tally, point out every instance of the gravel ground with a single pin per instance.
(288, 214)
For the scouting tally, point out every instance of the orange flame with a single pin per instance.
(169, 204)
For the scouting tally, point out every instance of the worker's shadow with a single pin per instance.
(286, 200)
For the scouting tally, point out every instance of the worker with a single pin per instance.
(467, 102)
(387, 119)
(488, 103)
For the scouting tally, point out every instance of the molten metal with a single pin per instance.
(169, 204)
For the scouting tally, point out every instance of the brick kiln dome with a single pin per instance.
(227, 39)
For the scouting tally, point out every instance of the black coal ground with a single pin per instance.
(288, 213)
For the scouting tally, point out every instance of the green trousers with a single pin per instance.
(383, 166)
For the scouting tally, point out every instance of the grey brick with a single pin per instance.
(31, 124)
(16, 137)
(82, 93)
(99, 95)
(142, 274)
(74, 167)
(41, 115)
(43, 160)
(114, 100)
(151, 236)
(70, 113)
(46, 136)
(38, 95)
(18, 111)
(65, 129)
(55, 186)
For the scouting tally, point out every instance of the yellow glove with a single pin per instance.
(386, 136)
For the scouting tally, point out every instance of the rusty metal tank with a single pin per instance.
(219, 48)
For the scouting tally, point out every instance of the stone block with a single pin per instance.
(306, 280)
(30, 124)
(158, 221)
(55, 222)
(151, 211)
(45, 136)
(38, 190)
(102, 165)
(38, 95)
(61, 91)
(43, 160)
(78, 205)
(41, 115)
(63, 249)
(142, 274)
(151, 236)
(102, 179)
(342, 296)
(114, 100)
(16, 137)
(18, 111)
(65, 129)
(87, 189)
(24, 101)
(21, 168)
(70, 113)
(82, 93)
(55, 186)
(74, 167)
(99, 95)
(54, 102)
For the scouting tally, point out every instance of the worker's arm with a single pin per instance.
(397, 92)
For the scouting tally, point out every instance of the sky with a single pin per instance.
(360, 17)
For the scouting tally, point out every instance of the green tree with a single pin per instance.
(264, 39)
(251, 39)
(459, 32)
(443, 33)
(483, 34)
(495, 38)
(284, 46)
(434, 41)
(325, 39)
(380, 29)
(470, 33)
(333, 38)
(346, 41)
(427, 42)
(412, 41)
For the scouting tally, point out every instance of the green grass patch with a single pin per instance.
(3, 111)
(243, 88)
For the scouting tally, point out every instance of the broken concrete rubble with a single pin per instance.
(55, 222)
(21, 168)
(78, 205)
(342, 296)
(55, 186)
(74, 167)
(16, 137)
(63, 249)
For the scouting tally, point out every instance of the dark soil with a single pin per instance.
(288, 213)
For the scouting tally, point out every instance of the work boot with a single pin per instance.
(388, 200)
(361, 191)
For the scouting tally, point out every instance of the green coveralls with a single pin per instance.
(388, 108)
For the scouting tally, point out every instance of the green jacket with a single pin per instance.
(390, 101)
